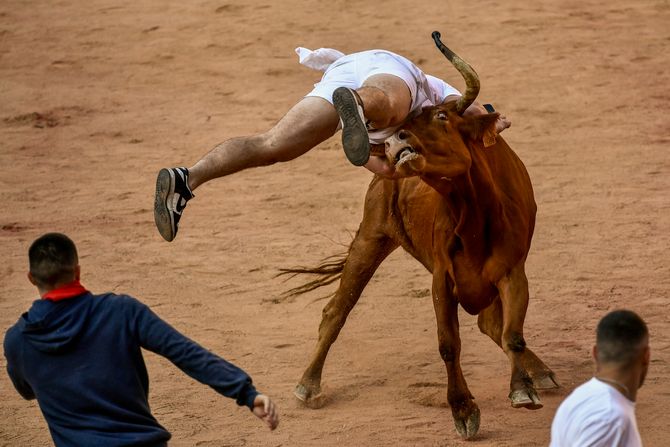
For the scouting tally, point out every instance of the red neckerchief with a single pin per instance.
(64, 292)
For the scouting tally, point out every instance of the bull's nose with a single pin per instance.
(391, 142)
(396, 144)
(391, 147)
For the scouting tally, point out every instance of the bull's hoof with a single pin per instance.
(468, 427)
(308, 397)
(526, 398)
(545, 382)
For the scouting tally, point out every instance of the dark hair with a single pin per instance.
(619, 337)
(53, 258)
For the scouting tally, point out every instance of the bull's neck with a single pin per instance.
(472, 199)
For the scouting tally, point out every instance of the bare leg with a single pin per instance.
(308, 123)
(386, 100)
(383, 100)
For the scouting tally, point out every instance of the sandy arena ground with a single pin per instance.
(96, 96)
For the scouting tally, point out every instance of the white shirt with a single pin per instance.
(595, 415)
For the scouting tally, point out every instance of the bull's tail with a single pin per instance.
(328, 271)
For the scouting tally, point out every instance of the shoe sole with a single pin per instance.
(354, 134)
(162, 216)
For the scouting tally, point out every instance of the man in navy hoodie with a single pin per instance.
(79, 355)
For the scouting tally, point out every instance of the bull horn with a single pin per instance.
(468, 73)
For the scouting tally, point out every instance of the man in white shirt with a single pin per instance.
(601, 412)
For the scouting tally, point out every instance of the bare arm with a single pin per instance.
(378, 164)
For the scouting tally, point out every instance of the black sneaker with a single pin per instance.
(172, 193)
(354, 133)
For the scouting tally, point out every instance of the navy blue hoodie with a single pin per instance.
(81, 358)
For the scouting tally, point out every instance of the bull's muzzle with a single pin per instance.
(398, 150)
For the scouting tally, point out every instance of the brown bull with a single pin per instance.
(467, 215)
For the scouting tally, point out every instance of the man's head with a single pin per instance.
(622, 342)
(53, 261)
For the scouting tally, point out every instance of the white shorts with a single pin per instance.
(352, 71)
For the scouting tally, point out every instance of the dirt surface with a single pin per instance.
(96, 96)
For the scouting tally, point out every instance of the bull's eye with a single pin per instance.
(403, 135)
(441, 116)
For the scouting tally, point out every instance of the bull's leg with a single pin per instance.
(463, 408)
(365, 255)
(490, 322)
(513, 289)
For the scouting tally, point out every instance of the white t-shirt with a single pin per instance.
(595, 415)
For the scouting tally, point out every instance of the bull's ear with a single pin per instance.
(480, 128)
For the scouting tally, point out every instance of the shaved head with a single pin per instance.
(621, 337)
